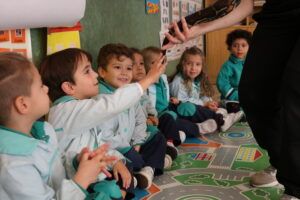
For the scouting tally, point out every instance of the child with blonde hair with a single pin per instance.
(160, 99)
(190, 84)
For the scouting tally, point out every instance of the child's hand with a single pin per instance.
(120, 168)
(174, 100)
(149, 121)
(212, 105)
(154, 120)
(90, 165)
(137, 148)
(153, 74)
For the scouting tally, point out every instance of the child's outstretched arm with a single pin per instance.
(154, 73)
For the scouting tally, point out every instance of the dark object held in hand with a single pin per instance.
(219, 9)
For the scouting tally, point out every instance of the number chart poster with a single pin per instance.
(173, 10)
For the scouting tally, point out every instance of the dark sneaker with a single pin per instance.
(171, 150)
(144, 177)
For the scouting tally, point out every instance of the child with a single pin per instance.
(30, 165)
(167, 125)
(229, 76)
(75, 116)
(190, 86)
(159, 97)
(127, 133)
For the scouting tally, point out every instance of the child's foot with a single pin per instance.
(288, 197)
(208, 126)
(182, 136)
(172, 151)
(230, 119)
(222, 111)
(265, 178)
(134, 182)
(144, 177)
(168, 162)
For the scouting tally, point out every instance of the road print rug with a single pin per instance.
(215, 167)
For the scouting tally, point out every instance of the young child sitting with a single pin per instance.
(160, 99)
(167, 125)
(191, 84)
(30, 163)
(229, 76)
(75, 115)
(127, 132)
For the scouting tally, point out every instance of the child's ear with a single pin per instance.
(101, 72)
(68, 88)
(21, 104)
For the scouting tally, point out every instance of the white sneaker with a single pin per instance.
(288, 197)
(145, 177)
(168, 162)
(208, 126)
(222, 111)
(230, 119)
(182, 136)
(134, 182)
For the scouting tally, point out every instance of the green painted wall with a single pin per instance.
(110, 21)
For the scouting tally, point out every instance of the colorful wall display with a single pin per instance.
(17, 40)
(152, 6)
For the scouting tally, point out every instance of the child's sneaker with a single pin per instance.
(134, 182)
(168, 162)
(288, 197)
(208, 126)
(230, 119)
(266, 178)
(182, 136)
(222, 111)
(172, 151)
(144, 177)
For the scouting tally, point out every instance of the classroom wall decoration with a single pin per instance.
(63, 37)
(17, 40)
(152, 6)
(176, 10)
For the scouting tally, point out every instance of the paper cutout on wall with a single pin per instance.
(16, 14)
(17, 40)
(60, 38)
(152, 6)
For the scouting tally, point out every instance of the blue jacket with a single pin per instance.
(229, 78)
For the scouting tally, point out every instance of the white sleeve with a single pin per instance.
(23, 181)
(79, 116)
(139, 134)
(179, 91)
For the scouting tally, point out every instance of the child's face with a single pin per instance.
(192, 66)
(118, 72)
(239, 48)
(39, 98)
(138, 70)
(86, 82)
